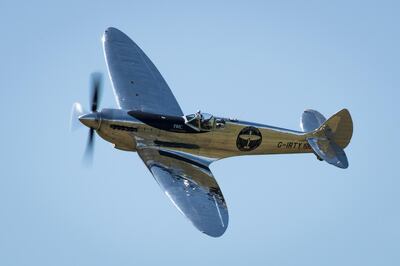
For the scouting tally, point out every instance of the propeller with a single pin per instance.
(88, 155)
(96, 80)
(76, 112)
(91, 120)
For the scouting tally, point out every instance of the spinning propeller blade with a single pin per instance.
(76, 112)
(88, 156)
(95, 90)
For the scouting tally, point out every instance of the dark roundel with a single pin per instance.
(248, 139)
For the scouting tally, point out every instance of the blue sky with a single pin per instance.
(263, 61)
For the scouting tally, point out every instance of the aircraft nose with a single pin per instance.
(90, 120)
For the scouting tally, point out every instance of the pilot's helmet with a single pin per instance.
(198, 114)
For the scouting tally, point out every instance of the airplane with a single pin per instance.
(178, 149)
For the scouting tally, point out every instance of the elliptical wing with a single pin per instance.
(190, 185)
(137, 83)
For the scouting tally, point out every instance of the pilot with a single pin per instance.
(198, 115)
(199, 118)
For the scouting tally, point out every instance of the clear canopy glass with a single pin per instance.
(201, 121)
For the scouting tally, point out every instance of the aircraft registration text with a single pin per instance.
(293, 145)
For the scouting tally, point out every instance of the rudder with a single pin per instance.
(340, 126)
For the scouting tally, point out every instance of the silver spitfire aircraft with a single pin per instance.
(178, 149)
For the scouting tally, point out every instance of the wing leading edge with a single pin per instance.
(137, 83)
(190, 185)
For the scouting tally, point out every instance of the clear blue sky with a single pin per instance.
(263, 61)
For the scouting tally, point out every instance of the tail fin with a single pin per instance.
(329, 138)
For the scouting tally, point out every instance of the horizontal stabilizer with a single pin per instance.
(329, 151)
(311, 120)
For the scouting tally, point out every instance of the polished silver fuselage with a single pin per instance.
(125, 132)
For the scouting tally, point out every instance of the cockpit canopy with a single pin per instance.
(203, 121)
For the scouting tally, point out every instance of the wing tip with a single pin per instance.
(215, 234)
(111, 30)
(214, 230)
(111, 33)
